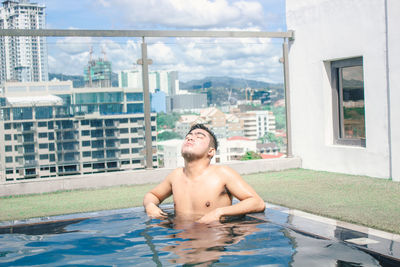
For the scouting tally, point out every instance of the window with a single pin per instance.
(44, 146)
(51, 147)
(97, 144)
(124, 130)
(44, 112)
(44, 156)
(86, 154)
(97, 133)
(42, 135)
(348, 101)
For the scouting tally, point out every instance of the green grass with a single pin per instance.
(362, 200)
(357, 199)
(66, 202)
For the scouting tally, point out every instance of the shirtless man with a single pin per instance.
(200, 190)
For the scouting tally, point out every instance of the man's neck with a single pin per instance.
(195, 168)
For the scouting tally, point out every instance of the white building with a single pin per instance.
(233, 148)
(171, 153)
(166, 81)
(257, 123)
(344, 85)
(265, 122)
(23, 59)
(230, 149)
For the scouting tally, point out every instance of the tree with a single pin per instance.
(167, 135)
(167, 121)
(272, 138)
(251, 155)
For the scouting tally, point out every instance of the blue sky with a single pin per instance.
(193, 58)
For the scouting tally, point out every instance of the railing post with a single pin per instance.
(144, 61)
(285, 50)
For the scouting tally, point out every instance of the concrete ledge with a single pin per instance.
(45, 185)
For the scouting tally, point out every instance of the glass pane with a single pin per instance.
(353, 102)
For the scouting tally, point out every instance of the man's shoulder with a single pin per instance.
(223, 170)
(175, 172)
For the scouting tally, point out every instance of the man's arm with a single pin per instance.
(157, 195)
(250, 201)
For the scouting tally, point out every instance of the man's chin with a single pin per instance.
(188, 156)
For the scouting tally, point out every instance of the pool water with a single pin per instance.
(128, 237)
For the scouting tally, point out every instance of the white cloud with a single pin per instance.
(193, 58)
(187, 13)
(74, 45)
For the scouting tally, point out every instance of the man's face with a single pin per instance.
(196, 144)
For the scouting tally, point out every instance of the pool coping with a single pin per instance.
(334, 222)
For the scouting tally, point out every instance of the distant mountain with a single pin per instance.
(205, 83)
(227, 82)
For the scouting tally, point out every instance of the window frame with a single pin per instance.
(337, 101)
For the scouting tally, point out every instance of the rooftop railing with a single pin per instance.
(138, 46)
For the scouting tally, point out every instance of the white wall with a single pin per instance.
(338, 29)
(394, 82)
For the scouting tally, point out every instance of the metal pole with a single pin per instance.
(147, 116)
(144, 33)
(285, 50)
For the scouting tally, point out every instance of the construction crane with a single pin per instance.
(248, 89)
(103, 51)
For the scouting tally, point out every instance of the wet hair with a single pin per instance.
(213, 141)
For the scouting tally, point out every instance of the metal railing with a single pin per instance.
(145, 61)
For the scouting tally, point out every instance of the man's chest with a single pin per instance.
(200, 195)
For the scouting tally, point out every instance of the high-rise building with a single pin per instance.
(23, 59)
(98, 73)
(59, 130)
(165, 81)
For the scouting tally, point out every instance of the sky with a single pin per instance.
(193, 58)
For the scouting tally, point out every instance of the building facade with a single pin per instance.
(98, 73)
(234, 148)
(59, 130)
(165, 81)
(229, 149)
(257, 123)
(344, 85)
(23, 59)
(186, 103)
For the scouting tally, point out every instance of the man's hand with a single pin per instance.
(211, 217)
(155, 212)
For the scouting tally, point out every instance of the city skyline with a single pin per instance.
(193, 58)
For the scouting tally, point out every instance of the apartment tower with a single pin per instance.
(23, 59)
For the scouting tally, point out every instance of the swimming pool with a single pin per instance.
(127, 237)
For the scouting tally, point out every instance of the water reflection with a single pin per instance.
(204, 244)
(43, 228)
